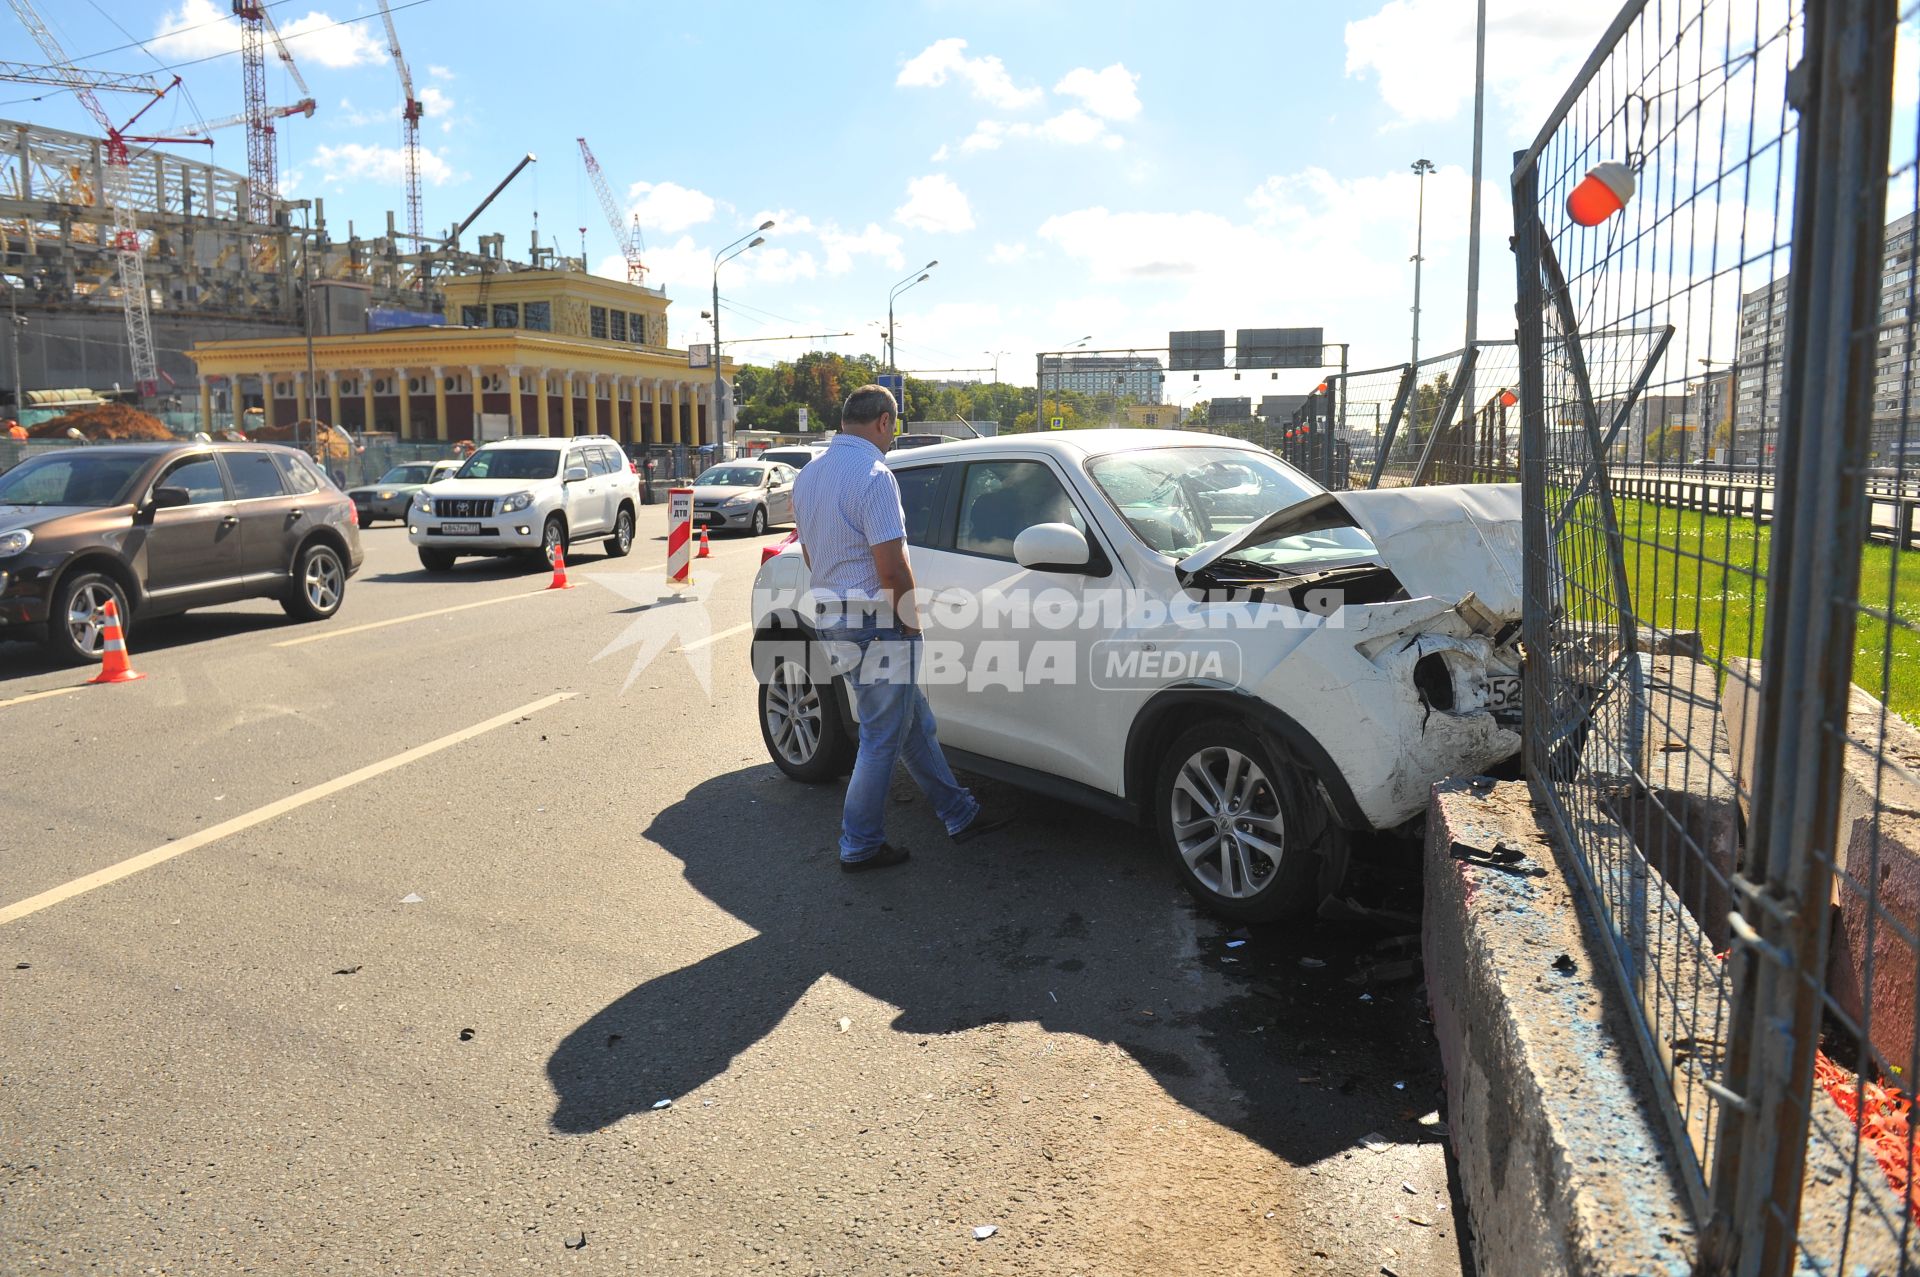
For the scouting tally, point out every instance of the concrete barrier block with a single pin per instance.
(1564, 1161)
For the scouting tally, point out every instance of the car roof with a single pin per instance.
(155, 448)
(546, 441)
(1078, 445)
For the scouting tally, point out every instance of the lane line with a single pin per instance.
(41, 696)
(292, 802)
(402, 620)
(711, 639)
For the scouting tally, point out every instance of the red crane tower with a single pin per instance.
(629, 241)
(410, 112)
(263, 165)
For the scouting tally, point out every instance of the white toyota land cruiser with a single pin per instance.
(527, 495)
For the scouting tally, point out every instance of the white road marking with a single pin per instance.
(214, 833)
(324, 635)
(711, 639)
(41, 696)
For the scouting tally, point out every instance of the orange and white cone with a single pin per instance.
(559, 581)
(705, 549)
(113, 656)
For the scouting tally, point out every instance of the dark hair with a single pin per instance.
(864, 406)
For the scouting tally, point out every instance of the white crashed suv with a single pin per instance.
(533, 495)
(1181, 629)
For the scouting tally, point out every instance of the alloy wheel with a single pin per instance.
(323, 581)
(794, 713)
(87, 616)
(1227, 822)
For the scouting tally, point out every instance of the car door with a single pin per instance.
(193, 551)
(780, 495)
(586, 500)
(1019, 636)
(268, 531)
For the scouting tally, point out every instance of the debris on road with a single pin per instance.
(413, 898)
(466, 1035)
(1312, 964)
(846, 1024)
(1399, 1086)
(1235, 944)
(352, 970)
(983, 1231)
(1565, 964)
(22, 966)
(611, 1039)
(579, 1245)
(663, 1104)
(1375, 1142)
(1406, 1187)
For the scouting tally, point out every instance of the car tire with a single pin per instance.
(801, 725)
(553, 535)
(80, 643)
(622, 539)
(364, 520)
(319, 583)
(436, 560)
(1278, 853)
(758, 527)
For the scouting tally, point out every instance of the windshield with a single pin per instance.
(512, 463)
(1179, 500)
(407, 474)
(796, 457)
(730, 477)
(71, 478)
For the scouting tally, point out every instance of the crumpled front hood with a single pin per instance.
(1446, 541)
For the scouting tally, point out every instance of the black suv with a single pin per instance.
(163, 527)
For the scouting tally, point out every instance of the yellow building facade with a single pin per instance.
(553, 352)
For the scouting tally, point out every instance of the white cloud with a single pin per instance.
(1072, 127)
(200, 28)
(940, 156)
(842, 247)
(1533, 51)
(1108, 92)
(439, 72)
(668, 206)
(354, 162)
(935, 204)
(986, 76)
(1006, 254)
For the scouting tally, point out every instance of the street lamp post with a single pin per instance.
(720, 259)
(1420, 168)
(918, 277)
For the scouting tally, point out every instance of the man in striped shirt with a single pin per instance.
(846, 505)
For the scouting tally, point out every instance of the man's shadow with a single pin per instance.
(1061, 920)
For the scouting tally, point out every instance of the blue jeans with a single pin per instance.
(896, 723)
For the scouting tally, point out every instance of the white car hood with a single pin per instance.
(457, 488)
(1446, 541)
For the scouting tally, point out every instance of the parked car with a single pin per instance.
(390, 498)
(794, 457)
(531, 495)
(749, 495)
(921, 440)
(1364, 645)
(160, 528)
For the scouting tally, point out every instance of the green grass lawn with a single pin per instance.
(1691, 571)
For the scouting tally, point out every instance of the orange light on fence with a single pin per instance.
(1603, 192)
(1320, 389)
(1508, 399)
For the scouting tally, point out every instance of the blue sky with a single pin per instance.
(1106, 169)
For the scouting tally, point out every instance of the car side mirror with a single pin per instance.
(170, 498)
(1052, 547)
(576, 473)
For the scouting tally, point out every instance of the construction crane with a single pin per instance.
(410, 112)
(263, 163)
(629, 241)
(304, 106)
(129, 258)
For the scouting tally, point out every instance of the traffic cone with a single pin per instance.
(705, 549)
(113, 656)
(559, 581)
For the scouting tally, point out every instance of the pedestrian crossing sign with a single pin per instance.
(1059, 422)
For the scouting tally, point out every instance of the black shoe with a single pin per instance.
(983, 822)
(888, 855)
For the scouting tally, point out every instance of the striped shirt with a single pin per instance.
(844, 503)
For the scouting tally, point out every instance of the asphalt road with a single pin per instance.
(229, 1043)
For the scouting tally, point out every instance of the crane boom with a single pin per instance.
(280, 50)
(129, 255)
(410, 113)
(64, 77)
(629, 241)
(303, 107)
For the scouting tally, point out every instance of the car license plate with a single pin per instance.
(1503, 692)
(460, 529)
